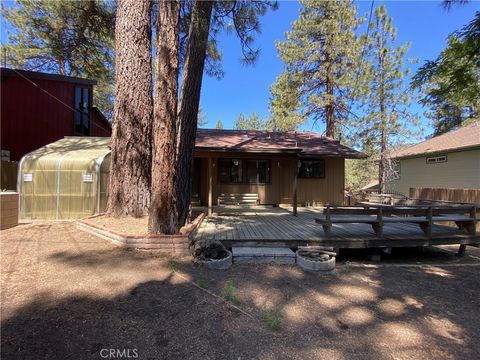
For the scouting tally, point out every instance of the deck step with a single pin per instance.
(263, 255)
(237, 199)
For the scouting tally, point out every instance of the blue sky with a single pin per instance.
(246, 88)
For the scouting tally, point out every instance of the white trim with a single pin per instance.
(59, 166)
(98, 163)
(19, 182)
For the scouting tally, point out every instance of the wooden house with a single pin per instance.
(274, 167)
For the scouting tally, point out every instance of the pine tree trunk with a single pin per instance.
(163, 212)
(383, 129)
(189, 102)
(329, 108)
(381, 165)
(129, 187)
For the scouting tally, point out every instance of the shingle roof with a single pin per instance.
(305, 143)
(465, 137)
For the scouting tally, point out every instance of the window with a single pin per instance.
(436, 159)
(312, 169)
(230, 170)
(258, 171)
(240, 171)
(82, 111)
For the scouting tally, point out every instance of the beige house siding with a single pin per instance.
(460, 171)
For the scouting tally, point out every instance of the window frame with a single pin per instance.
(82, 112)
(268, 163)
(437, 159)
(313, 161)
(245, 178)
(230, 160)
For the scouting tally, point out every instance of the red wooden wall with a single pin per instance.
(30, 118)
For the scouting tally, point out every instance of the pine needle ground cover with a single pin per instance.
(68, 295)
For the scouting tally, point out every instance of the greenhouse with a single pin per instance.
(66, 179)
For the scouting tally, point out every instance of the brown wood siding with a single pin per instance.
(319, 191)
(329, 189)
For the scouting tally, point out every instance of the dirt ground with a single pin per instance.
(69, 295)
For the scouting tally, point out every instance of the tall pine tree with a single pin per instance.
(207, 18)
(163, 217)
(252, 122)
(452, 81)
(130, 177)
(387, 119)
(321, 56)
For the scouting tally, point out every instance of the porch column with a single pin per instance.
(210, 185)
(295, 187)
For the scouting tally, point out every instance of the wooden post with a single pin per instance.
(210, 185)
(295, 189)
(461, 250)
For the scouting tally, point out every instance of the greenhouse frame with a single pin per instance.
(66, 179)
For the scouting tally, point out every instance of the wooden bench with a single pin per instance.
(238, 199)
(464, 217)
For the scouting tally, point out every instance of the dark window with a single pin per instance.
(244, 171)
(312, 169)
(230, 170)
(82, 111)
(258, 171)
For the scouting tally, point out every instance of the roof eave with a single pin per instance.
(449, 150)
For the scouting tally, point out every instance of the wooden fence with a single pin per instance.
(471, 196)
(8, 172)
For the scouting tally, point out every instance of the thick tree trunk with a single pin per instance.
(163, 212)
(189, 102)
(129, 187)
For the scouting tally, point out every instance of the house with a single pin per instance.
(450, 160)
(371, 187)
(38, 109)
(272, 165)
(68, 178)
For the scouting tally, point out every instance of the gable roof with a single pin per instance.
(304, 143)
(463, 138)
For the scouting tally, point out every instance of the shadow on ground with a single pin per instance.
(158, 311)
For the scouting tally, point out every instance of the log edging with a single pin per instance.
(177, 244)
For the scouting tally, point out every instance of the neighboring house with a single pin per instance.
(266, 164)
(39, 108)
(371, 187)
(451, 160)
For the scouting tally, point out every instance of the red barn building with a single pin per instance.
(38, 108)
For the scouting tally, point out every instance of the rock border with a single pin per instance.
(177, 244)
(218, 264)
(315, 266)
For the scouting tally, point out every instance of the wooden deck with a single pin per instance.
(278, 227)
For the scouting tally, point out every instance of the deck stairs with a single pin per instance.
(238, 199)
(263, 255)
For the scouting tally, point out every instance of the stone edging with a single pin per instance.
(174, 244)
